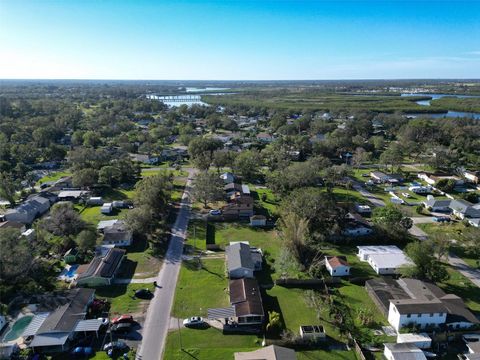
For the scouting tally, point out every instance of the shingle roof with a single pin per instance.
(245, 296)
(239, 256)
(104, 266)
(336, 261)
(272, 352)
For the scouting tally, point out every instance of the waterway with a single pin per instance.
(449, 114)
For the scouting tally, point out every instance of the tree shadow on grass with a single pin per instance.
(127, 269)
(270, 303)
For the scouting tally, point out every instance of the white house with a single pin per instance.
(117, 235)
(384, 259)
(95, 200)
(357, 229)
(258, 220)
(406, 312)
(418, 189)
(403, 352)
(29, 210)
(437, 205)
(337, 265)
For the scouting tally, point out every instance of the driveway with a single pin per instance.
(156, 325)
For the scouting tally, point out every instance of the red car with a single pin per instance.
(122, 319)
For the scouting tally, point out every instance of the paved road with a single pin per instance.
(464, 269)
(157, 322)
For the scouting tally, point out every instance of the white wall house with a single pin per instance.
(336, 266)
(407, 312)
(388, 264)
(403, 352)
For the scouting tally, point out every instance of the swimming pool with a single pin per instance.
(69, 273)
(72, 271)
(18, 328)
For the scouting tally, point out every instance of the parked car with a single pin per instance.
(143, 294)
(115, 345)
(82, 351)
(121, 328)
(123, 319)
(441, 219)
(407, 195)
(194, 321)
(215, 212)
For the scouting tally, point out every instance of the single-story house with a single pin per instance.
(265, 137)
(242, 260)
(337, 265)
(117, 235)
(53, 330)
(419, 189)
(408, 302)
(474, 222)
(238, 210)
(442, 205)
(106, 223)
(379, 176)
(403, 352)
(246, 299)
(102, 269)
(355, 229)
(363, 209)
(432, 179)
(106, 208)
(258, 220)
(385, 260)
(272, 352)
(29, 210)
(145, 159)
(464, 209)
(71, 195)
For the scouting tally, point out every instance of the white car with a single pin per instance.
(215, 212)
(194, 321)
(407, 195)
(105, 321)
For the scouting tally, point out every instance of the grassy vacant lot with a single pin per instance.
(121, 297)
(269, 206)
(200, 288)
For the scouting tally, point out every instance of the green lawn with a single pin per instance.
(54, 176)
(120, 297)
(200, 289)
(358, 268)
(209, 344)
(462, 287)
(93, 215)
(326, 355)
(269, 206)
(350, 196)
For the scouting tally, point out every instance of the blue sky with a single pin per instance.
(254, 40)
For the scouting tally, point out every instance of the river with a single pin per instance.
(449, 113)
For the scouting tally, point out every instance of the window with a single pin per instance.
(431, 315)
(409, 315)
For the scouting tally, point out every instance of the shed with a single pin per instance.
(422, 340)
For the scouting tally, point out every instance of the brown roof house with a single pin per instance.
(246, 299)
(102, 269)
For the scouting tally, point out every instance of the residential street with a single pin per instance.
(464, 269)
(157, 322)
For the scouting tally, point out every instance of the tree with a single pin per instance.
(15, 256)
(7, 188)
(84, 178)
(294, 233)
(109, 175)
(446, 185)
(247, 164)
(201, 151)
(393, 156)
(207, 187)
(86, 239)
(64, 220)
(139, 220)
(426, 266)
(91, 139)
(273, 320)
(360, 156)
(154, 192)
(391, 220)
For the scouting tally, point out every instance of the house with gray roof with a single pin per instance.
(29, 210)
(53, 330)
(464, 209)
(102, 269)
(242, 260)
(437, 204)
(117, 234)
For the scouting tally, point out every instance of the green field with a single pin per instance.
(93, 215)
(54, 176)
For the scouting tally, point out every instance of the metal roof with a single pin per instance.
(218, 313)
(49, 339)
(88, 325)
(35, 324)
